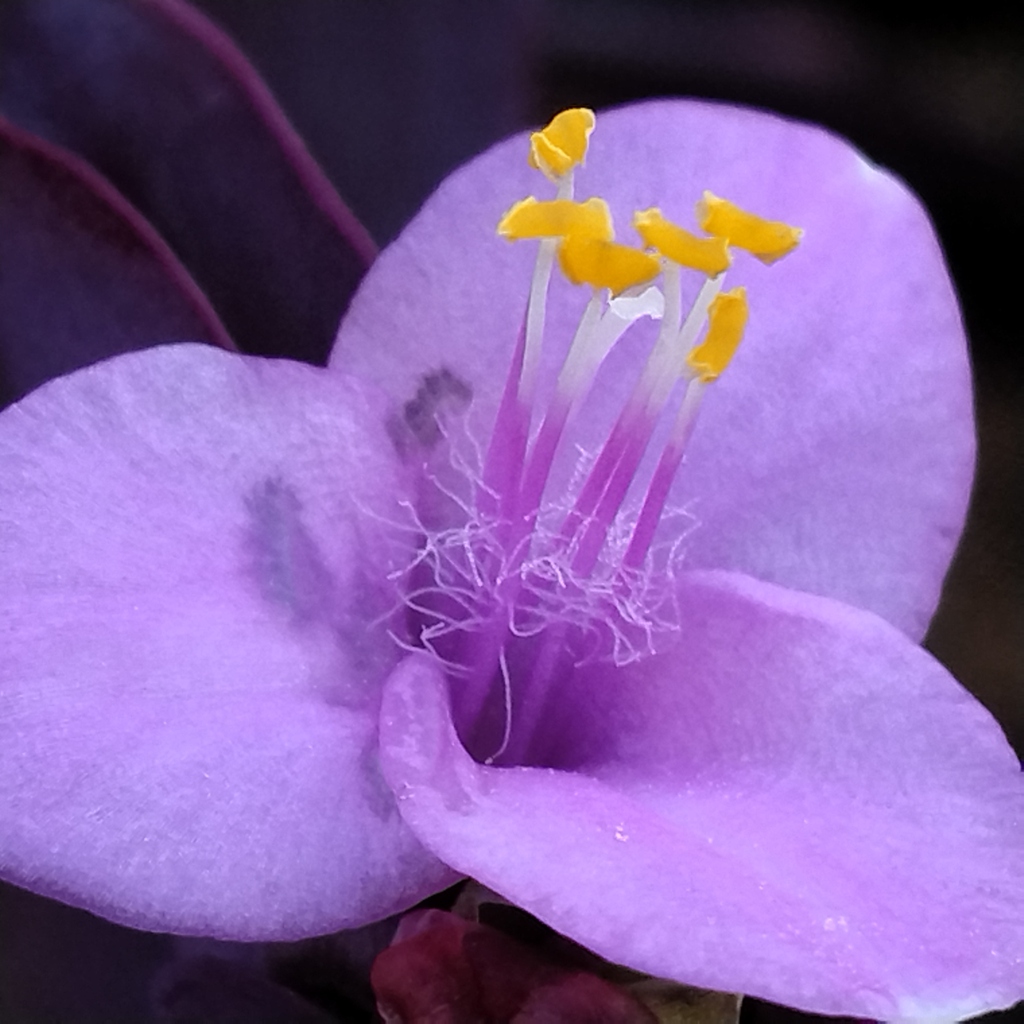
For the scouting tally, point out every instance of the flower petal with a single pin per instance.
(84, 276)
(162, 102)
(794, 803)
(835, 455)
(195, 608)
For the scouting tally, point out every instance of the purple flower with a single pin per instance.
(720, 758)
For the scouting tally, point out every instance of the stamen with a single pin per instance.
(549, 220)
(664, 474)
(571, 380)
(595, 337)
(768, 240)
(536, 306)
(536, 314)
(587, 253)
(562, 145)
(606, 487)
(557, 218)
(556, 150)
(708, 255)
(507, 447)
(604, 264)
(727, 318)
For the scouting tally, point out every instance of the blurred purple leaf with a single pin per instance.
(164, 105)
(418, 88)
(82, 275)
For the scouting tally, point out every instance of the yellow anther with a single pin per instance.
(768, 240)
(727, 318)
(708, 255)
(557, 218)
(559, 147)
(604, 264)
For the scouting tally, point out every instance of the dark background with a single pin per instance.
(392, 94)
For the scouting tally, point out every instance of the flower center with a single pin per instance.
(528, 584)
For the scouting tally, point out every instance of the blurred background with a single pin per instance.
(391, 95)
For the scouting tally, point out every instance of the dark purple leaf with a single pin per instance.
(163, 104)
(82, 275)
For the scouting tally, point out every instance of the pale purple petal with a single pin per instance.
(795, 802)
(835, 454)
(195, 615)
(164, 104)
(84, 276)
